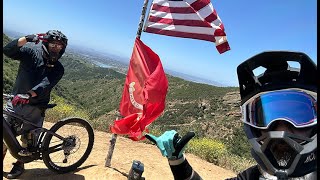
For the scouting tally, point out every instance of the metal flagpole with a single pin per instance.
(114, 136)
(142, 17)
(111, 148)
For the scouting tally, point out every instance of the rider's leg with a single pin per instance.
(28, 142)
(25, 145)
(16, 171)
(18, 167)
(34, 115)
(7, 118)
(30, 113)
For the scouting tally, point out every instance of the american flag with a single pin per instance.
(196, 19)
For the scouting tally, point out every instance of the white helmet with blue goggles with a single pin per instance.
(286, 94)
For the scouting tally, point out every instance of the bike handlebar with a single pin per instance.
(47, 106)
(7, 96)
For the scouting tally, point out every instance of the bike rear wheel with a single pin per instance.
(67, 155)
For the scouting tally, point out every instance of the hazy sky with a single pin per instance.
(251, 26)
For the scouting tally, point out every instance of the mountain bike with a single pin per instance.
(63, 148)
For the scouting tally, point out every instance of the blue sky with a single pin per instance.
(110, 26)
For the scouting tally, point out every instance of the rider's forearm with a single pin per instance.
(32, 93)
(181, 170)
(22, 41)
(12, 50)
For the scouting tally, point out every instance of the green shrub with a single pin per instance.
(235, 163)
(239, 144)
(216, 152)
(63, 110)
(208, 149)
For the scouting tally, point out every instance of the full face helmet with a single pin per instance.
(51, 37)
(280, 94)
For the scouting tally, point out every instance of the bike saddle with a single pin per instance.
(51, 106)
(48, 106)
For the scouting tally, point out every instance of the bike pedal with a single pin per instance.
(25, 153)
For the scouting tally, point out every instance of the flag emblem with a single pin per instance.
(132, 100)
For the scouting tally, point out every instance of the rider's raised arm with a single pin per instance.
(16, 50)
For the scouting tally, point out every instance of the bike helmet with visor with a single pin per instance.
(280, 93)
(51, 37)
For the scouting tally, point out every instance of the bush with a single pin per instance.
(216, 152)
(239, 144)
(235, 163)
(208, 149)
(63, 110)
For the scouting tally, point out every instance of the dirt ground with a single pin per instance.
(155, 165)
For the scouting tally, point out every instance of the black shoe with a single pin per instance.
(25, 152)
(16, 171)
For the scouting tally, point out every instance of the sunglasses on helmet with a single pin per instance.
(296, 106)
(55, 45)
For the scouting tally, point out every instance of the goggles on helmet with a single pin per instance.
(296, 106)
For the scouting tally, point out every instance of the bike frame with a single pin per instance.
(14, 146)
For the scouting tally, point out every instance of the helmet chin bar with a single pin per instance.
(298, 158)
(52, 57)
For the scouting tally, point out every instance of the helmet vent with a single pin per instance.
(274, 70)
(294, 66)
(259, 71)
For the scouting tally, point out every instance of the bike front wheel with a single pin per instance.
(69, 151)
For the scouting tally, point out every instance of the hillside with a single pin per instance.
(94, 93)
(9, 69)
(208, 110)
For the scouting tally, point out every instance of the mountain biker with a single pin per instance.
(39, 71)
(279, 114)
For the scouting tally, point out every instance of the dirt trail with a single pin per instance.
(155, 166)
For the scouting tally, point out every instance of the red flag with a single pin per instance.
(196, 19)
(144, 92)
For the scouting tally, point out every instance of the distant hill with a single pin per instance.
(194, 78)
(95, 53)
(13, 34)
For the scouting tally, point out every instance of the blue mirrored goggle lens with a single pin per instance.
(296, 107)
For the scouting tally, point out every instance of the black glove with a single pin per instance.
(32, 38)
(170, 143)
(180, 143)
